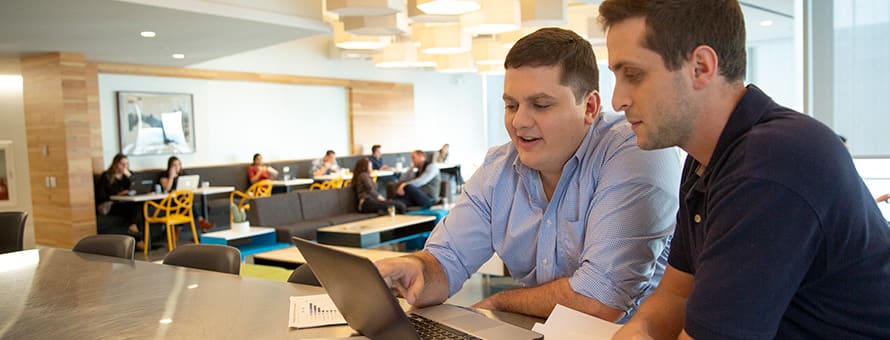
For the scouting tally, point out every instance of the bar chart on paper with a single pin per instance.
(314, 311)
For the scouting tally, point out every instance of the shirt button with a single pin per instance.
(697, 218)
(548, 221)
(544, 261)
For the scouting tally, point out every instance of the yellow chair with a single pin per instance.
(259, 189)
(331, 184)
(173, 210)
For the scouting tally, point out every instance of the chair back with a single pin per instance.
(215, 257)
(12, 230)
(260, 189)
(121, 246)
(177, 203)
(304, 275)
(327, 185)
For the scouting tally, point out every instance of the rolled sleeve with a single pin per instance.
(630, 220)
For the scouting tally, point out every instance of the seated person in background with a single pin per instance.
(377, 158)
(441, 155)
(419, 184)
(777, 235)
(579, 215)
(325, 166)
(170, 178)
(259, 171)
(116, 181)
(369, 200)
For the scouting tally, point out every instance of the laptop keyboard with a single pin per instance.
(429, 329)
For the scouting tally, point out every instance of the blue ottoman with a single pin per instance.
(417, 244)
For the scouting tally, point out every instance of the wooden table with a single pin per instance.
(54, 293)
(291, 257)
(376, 231)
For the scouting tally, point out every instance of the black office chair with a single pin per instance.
(304, 275)
(215, 257)
(12, 230)
(121, 246)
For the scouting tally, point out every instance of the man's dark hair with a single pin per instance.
(558, 47)
(329, 152)
(375, 148)
(676, 27)
(255, 156)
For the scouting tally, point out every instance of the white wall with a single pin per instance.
(295, 122)
(12, 128)
(234, 120)
(447, 107)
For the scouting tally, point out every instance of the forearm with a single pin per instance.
(663, 313)
(435, 289)
(166, 184)
(539, 301)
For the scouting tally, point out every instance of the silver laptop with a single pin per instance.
(188, 182)
(369, 307)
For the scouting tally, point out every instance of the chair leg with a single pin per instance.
(194, 232)
(146, 245)
(170, 245)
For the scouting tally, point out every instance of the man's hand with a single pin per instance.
(403, 275)
(883, 198)
(489, 303)
(401, 190)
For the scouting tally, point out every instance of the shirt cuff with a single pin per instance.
(589, 282)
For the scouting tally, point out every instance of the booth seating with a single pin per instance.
(300, 213)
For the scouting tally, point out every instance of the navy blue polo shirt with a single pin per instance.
(780, 233)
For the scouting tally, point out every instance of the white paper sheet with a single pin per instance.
(567, 323)
(313, 311)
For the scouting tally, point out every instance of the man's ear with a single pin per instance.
(703, 64)
(593, 106)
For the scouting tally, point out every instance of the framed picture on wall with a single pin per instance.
(7, 180)
(153, 123)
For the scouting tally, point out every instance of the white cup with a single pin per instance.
(391, 210)
(205, 184)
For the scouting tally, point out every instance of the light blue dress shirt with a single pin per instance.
(607, 226)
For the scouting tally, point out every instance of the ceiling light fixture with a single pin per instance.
(401, 54)
(147, 34)
(178, 56)
(351, 8)
(448, 7)
(496, 16)
(766, 23)
(544, 12)
(347, 41)
(442, 39)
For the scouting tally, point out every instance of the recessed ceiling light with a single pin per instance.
(147, 34)
(766, 23)
(178, 56)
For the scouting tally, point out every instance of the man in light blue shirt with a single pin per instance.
(578, 213)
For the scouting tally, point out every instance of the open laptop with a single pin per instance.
(369, 307)
(187, 182)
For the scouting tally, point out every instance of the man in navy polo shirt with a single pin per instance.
(777, 235)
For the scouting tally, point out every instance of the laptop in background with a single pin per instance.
(188, 182)
(367, 304)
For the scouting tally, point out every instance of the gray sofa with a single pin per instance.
(300, 213)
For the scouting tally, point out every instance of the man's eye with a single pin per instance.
(542, 106)
(510, 107)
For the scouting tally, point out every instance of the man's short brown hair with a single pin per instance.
(674, 28)
(553, 46)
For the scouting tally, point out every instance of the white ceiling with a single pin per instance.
(108, 30)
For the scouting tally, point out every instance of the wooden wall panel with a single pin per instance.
(59, 89)
(383, 115)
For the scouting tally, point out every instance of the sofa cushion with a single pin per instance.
(305, 229)
(275, 210)
(319, 204)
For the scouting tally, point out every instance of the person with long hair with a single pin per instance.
(369, 200)
(170, 178)
(116, 181)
